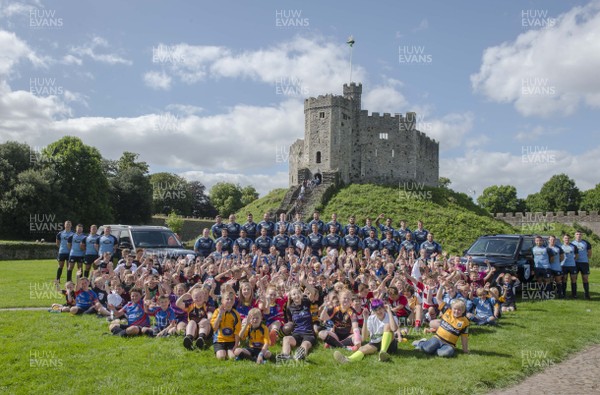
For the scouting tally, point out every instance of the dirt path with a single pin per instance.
(579, 374)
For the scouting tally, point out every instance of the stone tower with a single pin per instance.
(342, 139)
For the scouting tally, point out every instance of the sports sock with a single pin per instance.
(59, 273)
(386, 340)
(69, 274)
(586, 288)
(417, 323)
(357, 356)
(574, 289)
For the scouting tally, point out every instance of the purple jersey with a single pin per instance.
(136, 314)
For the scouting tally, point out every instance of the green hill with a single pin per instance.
(269, 202)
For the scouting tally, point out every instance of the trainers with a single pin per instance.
(300, 354)
(57, 284)
(417, 342)
(384, 356)
(588, 297)
(188, 342)
(200, 343)
(282, 358)
(338, 356)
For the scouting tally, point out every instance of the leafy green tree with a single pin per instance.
(226, 197)
(499, 199)
(170, 192)
(80, 177)
(14, 159)
(175, 222)
(561, 194)
(249, 195)
(535, 203)
(201, 205)
(131, 192)
(591, 199)
(444, 182)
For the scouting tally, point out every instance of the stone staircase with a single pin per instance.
(313, 197)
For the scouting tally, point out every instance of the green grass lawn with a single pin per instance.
(59, 353)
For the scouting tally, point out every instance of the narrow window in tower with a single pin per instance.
(376, 152)
(322, 114)
(392, 153)
(318, 157)
(383, 136)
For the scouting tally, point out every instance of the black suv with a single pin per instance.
(156, 240)
(507, 253)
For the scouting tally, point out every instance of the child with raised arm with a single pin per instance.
(165, 321)
(69, 293)
(226, 324)
(255, 332)
(302, 335)
(345, 331)
(137, 319)
(194, 303)
(379, 328)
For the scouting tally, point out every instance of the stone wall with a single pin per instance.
(590, 219)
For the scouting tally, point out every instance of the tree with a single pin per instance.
(201, 205)
(131, 192)
(561, 194)
(499, 199)
(249, 195)
(591, 199)
(170, 192)
(175, 222)
(226, 197)
(14, 159)
(535, 203)
(444, 182)
(80, 177)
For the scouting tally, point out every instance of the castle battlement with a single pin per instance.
(340, 136)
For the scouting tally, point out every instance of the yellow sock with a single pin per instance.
(357, 356)
(386, 340)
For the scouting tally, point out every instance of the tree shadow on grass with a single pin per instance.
(490, 353)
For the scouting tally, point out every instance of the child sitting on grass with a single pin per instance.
(257, 336)
(137, 319)
(380, 327)
(199, 314)
(452, 325)
(482, 311)
(69, 293)
(226, 324)
(164, 316)
(86, 300)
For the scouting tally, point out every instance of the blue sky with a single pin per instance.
(214, 91)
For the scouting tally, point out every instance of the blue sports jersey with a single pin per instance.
(353, 242)
(316, 242)
(162, 318)
(215, 230)
(420, 236)
(351, 226)
(541, 257)
(384, 229)
(483, 307)
(336, 224)
(282, 224)
(233, 230)
(263, 243)
(251, 229)
(303, 227)
(365, 231)
(106, 244)
(204, 246)
(75, 240)
(391, 246)
(295, 239)
(281, 242)
(63, 238)
(226, 243)
(244, 243)
(320, 225)
(268, 225)
(90, 244)
(583, 247)
(136, 314)
(409, 245)
(430, 248)
(333, 240)
(85, 299)
(372, 244)
(569, 251)
(401, 233)
(555, 260)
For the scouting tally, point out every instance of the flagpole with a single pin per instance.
(350, 42)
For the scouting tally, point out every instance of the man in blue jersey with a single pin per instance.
(420, 234)
(225, 240)
(204, 245)
(76, 244)
(62, 242)
(267, 224)
(251, 227)
(282, 241)
(385, 228)
(334, 222)
(352, 224)
(372, 242)
(333, 240)
(390, 244)
(316, 220)
(402, 231)
(107, 243)
(541, 260)
(352, 240)
(91, 249)
(583, 263)
(263, 242)
(298, 241)
(244, 243)
(431, 247)
(316, 240)
(233, 228)
(215, 230)
(569, 254)
(298, 222)
(555, 266)
(282, 224)
(365, 231)
(409, 245)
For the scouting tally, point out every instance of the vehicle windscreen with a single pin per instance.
(494, 247)
(155, 239)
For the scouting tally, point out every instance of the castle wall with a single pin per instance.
(539, 222)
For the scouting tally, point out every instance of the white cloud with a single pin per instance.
(157, 80)
(527, 170)
(13, 50)
(96, 50)
(449, 130)
(547, 71)
(385, 98)
(316, 64)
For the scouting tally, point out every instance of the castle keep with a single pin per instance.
(343, 142)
